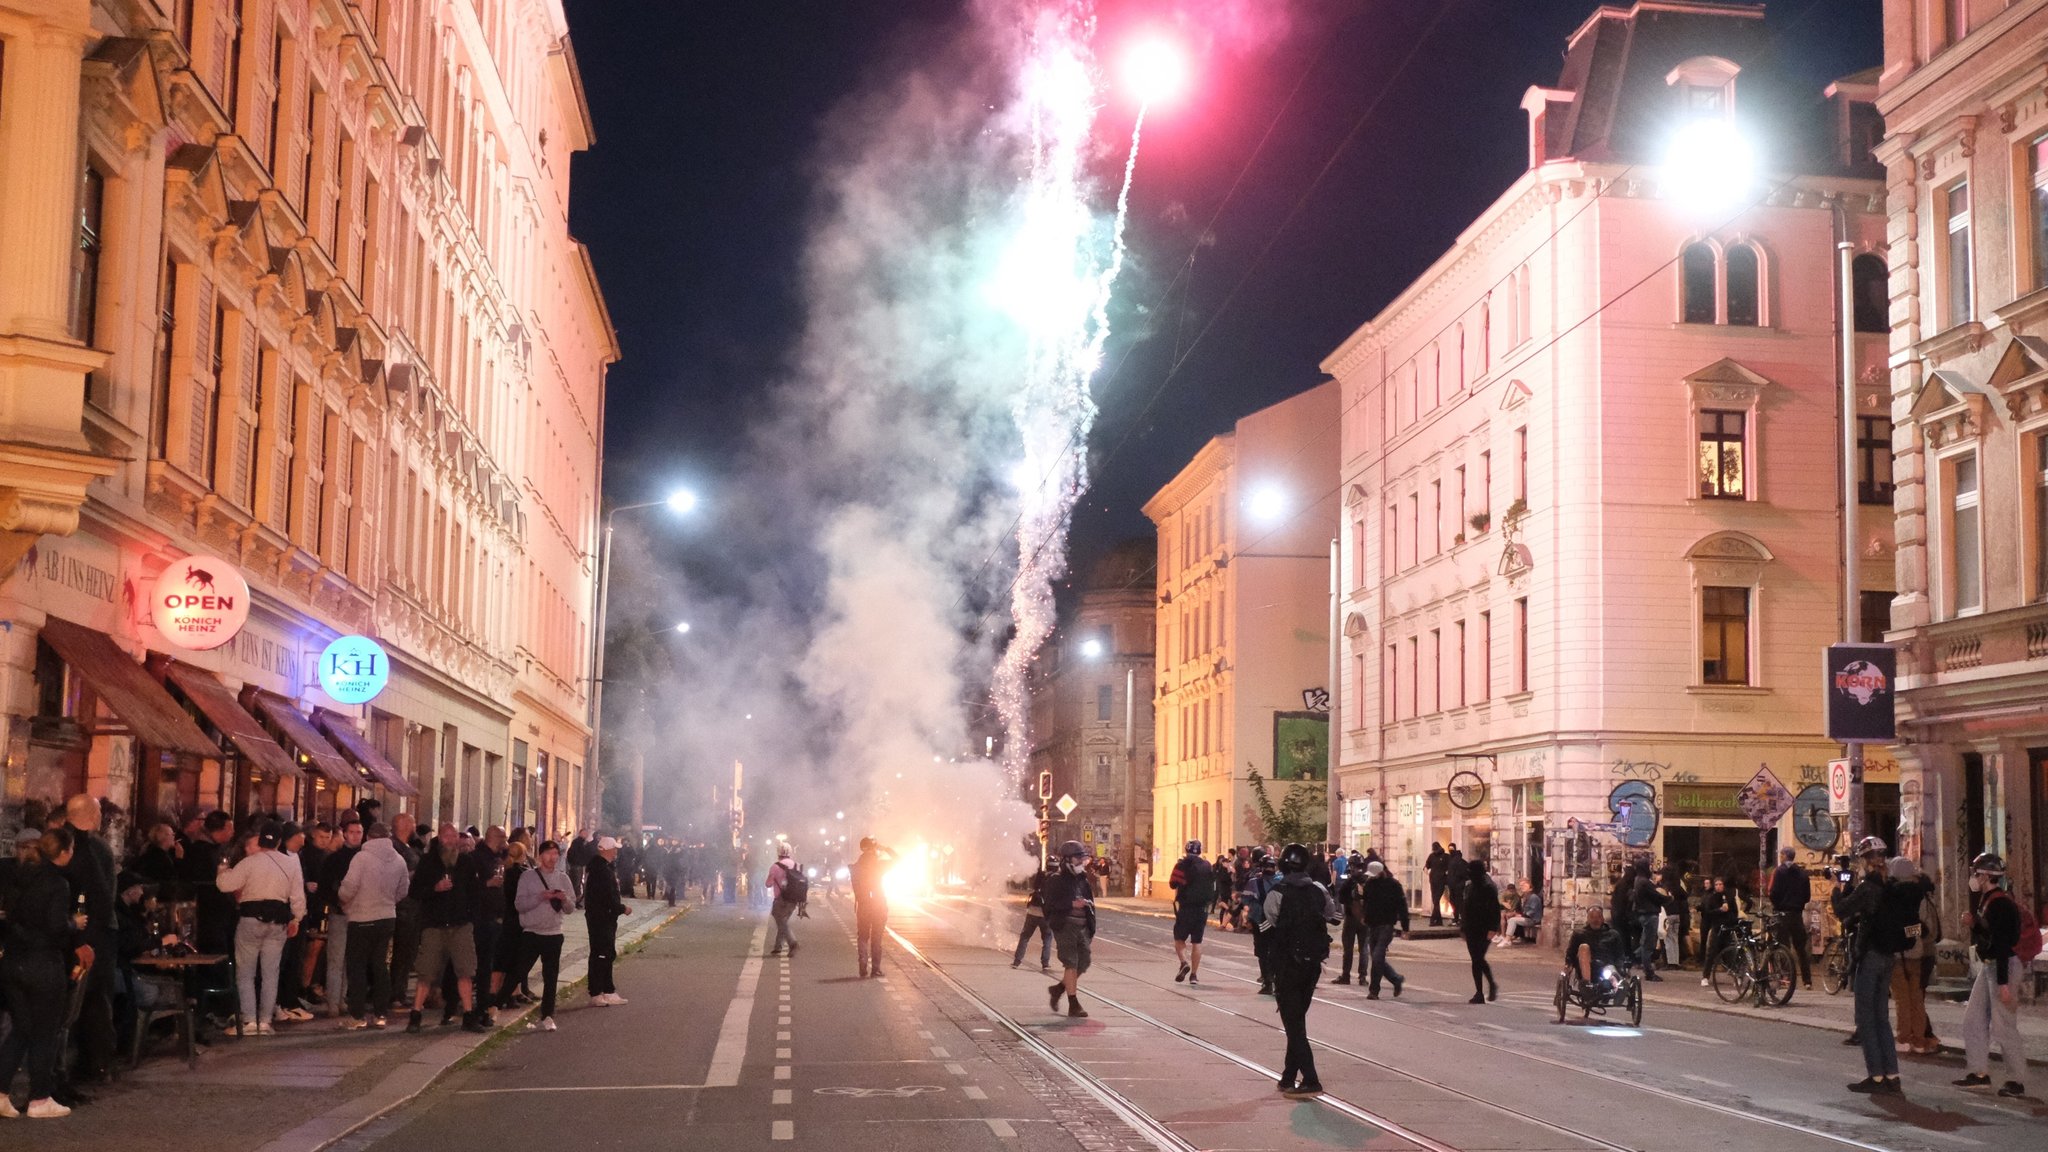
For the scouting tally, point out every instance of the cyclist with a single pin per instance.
(1595, 947)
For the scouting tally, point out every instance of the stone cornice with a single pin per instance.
(1212, 461)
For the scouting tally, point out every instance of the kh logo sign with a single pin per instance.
(200, 602)
(354, 669)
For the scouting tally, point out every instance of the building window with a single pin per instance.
(1958, 20)
(1357, 695)
(85, 261)
(1966, 564)
(1696, 284)
(1486, 655)
(1436, 517)
(2040, 476)
(1102, 780)
(1104, 700)
(1720, 454)
(1358, 553)
(1872, 292)
(1414, 676)
(1458, 676)
(1389, 674)
(1522, 644)
(1873, 460)
(1415, 529)
(1436, 669)
(1459, 529)
(1486, 485)
(1724, 635)
(1956, 283)
(1393, 563)
(1522, 464)
(2037, 156)
(1745, 290)
(1875, 617)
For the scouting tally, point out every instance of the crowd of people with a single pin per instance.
(353, 919)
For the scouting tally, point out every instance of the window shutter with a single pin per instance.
(199, 428)
(294, 176)
(243, 489)
(223, 33)
(262, 85)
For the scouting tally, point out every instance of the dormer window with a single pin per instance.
(1706, 87)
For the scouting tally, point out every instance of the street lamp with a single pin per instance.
(681, 501)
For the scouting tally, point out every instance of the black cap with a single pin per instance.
(266, 834)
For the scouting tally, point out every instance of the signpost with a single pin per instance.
(354, 669)
(1839, 774)
(1765, 800)
(1860, 683)
(199, 602)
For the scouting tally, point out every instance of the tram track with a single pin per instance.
(1778, 1122)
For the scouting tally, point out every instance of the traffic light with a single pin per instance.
(1045, 785)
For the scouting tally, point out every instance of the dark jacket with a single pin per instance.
(1481, 907)
(1434, 865)
(91, 875)
(581, 852)
(1647, 899)
(1062, 890)
(489, 910)
(333, 870)
(1351, 897)
(601, 890)
(459, 904)
(1035, 905)
(39, 928)
(1791, 888)
(1457, 870)
(1621, 905)
(1194, 883)
(865, 877)
(1995, 929)
(1386, 902)
(1862, 910)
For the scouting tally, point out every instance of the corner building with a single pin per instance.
(1964, 92)
(291, 282)
(1244, 622)
(1591, 501)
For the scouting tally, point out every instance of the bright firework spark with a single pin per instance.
(1056, 283)
(1155, 70)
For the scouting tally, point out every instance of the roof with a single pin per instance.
(140, 702)
(217, 703)
(341, 729)
(300, 733)
(1616, 66)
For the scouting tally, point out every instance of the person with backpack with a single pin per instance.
(1866, 902)
(2005, 939)
(1434, 866)
(1264, 876)
(1193, 883)
(1914, 906)
(1070, 911)
(1480, 919)
(1351, 902)
(1297, 915)
(791, 891)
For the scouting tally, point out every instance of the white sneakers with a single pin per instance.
(544, 1024)
(264, 1030)
(47, 1109)
(608, 999)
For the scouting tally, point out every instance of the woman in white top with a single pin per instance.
(270, 894)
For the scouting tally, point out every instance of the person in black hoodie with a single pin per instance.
(91, 874)
(1457, 873)
(1873, 951)
(449, 892)
(1433, 865)
(1297, 912)
(1480, 921)
(1194, 888)
(602, 908)
(489, 857)
(1386, 911)
(1649, 902)
(43, 944)
(1034, 921)
(1351, 902)
(581, 849)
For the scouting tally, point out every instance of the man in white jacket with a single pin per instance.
(377, 880)
(270, 894)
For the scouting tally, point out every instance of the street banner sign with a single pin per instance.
(1838, 787)
(1765, 799)
(1861, 679)
(1067, 804)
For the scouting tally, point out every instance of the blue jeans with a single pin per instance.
(1378, 937)
(1873, 983)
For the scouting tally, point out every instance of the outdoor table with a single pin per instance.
(184, 966)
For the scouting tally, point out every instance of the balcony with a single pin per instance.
(1975, 646)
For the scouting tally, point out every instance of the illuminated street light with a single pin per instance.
(682, 500)
(1091, 648)
(1710, 166)
(1267, 503)
(683, 628)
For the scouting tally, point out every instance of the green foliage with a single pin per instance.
(1302, 817)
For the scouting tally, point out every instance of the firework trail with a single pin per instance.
(1057, 282)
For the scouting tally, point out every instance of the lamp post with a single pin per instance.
(681, 501)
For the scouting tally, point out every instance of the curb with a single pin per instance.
(1779, 1016)
(407, 1081)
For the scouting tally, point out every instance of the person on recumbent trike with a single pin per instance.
(1593, 951)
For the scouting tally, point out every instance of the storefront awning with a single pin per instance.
(342, 731)
(140, 702)
(217, 703)
(300, 733)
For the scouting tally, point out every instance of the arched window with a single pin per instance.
(1458, 384)
(1485, 337)
(1514, 337)
(1522, 305)
(1745, 293)
(1871, 280)
(1696, 284)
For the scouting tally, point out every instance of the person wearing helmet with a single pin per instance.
(1070, 912)
(1996, 926)
(1298, 915)
(1194, 888)
(1265, 874)
(1863, 906)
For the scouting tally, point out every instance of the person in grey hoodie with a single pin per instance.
(545, 892)
(377, 880)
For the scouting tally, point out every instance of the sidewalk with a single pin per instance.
(1813, 1008)
(308, 1086)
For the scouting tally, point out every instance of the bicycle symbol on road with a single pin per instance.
(907, 1090)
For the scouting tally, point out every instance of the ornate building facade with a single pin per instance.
(1592, 511)
(322, 323)
(1964, 93)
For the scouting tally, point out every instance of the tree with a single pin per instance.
(1302, 817)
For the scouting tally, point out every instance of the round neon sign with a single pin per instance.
(200, 602)
(354, 669)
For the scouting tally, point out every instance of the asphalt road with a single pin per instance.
(723, 1047)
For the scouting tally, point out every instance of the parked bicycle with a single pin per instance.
(1834, 965)
(1755, 966)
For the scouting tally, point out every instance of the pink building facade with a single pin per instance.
(1591, 513)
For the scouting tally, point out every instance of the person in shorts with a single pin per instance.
(1194, 888)
(449, 888)
(1070, 912)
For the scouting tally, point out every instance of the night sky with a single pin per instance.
(694, 200)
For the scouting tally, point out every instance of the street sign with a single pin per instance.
(1045, 785)
(1066, 805)
(1838, 787)
(1859, 688)
(1765, 800)
(200, 602)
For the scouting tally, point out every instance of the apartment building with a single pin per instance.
(1964, 93)
(1243, 621)
(301, 302)
(1591, 510)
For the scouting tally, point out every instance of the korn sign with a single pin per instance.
(200, 602)
(1860, 682)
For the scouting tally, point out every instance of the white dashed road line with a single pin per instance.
(731, 1051)
(783, 1130)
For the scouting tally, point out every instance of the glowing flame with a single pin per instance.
(1155, 70)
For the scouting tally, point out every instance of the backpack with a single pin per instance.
(2028, 946)
(1302, 933)
(1198, 883)
(796, 887)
